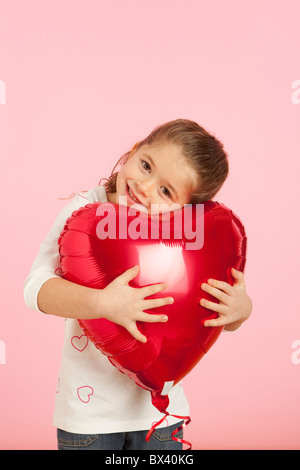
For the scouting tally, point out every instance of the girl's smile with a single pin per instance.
(132, 196)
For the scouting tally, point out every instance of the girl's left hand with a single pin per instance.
(234, 305)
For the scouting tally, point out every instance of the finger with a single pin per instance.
(156, 303)
(130, 273)
(153, 289)
(151, 318)
(221, 321)
(134, 331)
(237, 275)
(212, 306)
(219, 294)
(224, 286)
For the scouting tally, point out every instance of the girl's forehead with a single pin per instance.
(163, 155)
(162, 146)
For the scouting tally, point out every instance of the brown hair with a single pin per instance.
(204, 153)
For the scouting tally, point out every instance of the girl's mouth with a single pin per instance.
(133, 196)
(133, 199)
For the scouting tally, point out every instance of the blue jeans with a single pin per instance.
(161, 439)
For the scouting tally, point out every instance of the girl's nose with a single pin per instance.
(145, 187)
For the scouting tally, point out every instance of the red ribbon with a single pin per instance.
(186, 419)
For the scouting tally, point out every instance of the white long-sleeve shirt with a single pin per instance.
(92, 396)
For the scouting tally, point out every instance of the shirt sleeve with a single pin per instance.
(46, 264)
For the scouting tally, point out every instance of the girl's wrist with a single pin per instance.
(96, 304)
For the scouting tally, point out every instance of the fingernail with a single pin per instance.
(165, 319)
(171, 300)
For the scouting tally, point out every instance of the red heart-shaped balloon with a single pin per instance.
(183, 248)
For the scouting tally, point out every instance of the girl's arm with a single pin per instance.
(63, 298)
(46, 263)
(117, 302)
(47, 292)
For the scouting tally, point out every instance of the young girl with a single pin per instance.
(96, 406)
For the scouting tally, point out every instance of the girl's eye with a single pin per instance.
(146, 165)
(165, 191)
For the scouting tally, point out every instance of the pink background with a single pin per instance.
(85, 79)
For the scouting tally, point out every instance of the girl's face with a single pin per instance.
(155, 174)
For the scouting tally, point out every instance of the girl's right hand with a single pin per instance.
(125, 305)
